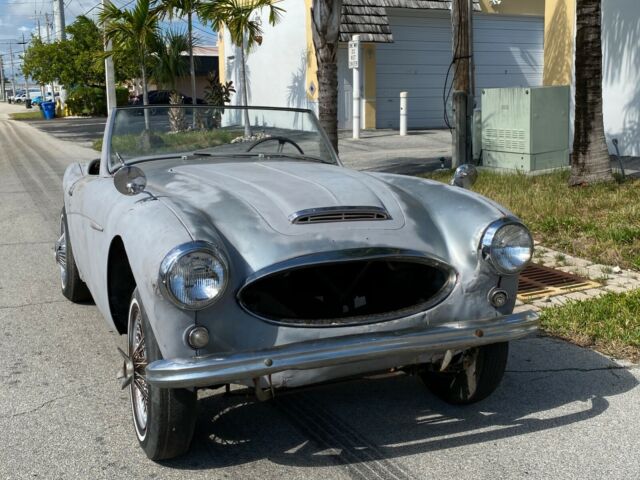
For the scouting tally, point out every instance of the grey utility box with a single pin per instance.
(525, 129)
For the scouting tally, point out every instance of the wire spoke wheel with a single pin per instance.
(139, 389)
(471, 377)
(164, 418)
(61, 253)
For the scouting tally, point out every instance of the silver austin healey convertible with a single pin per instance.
(232, 247)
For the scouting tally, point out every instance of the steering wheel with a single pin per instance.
(281, 141)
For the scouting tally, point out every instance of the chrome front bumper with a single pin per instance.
(229, 367)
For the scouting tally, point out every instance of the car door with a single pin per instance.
(90, 200)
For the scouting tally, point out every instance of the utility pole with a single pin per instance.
(13, 72)
(354, 65)
(461, 13)
(60, 36)
(26, 79)
(47, 23)
(3, 94)
(58, 13)
(43, 89)
(48, 27)
(109, 71)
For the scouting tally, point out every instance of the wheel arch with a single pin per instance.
(120, 283)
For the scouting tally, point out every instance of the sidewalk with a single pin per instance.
(7, 108)
(386, 151)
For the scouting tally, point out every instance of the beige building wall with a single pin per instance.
(559, 34)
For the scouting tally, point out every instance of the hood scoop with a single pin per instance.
(338, 214)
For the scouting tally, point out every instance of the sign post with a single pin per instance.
(354, 64)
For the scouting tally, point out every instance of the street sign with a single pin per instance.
(354, 54)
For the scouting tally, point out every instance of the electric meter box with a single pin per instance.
(525, 129)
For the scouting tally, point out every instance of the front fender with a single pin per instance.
(149, 230)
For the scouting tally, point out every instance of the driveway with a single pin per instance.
(561, 411)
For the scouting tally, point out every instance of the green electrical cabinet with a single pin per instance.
(525, 129)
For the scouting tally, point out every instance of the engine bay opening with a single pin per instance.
(352, 292)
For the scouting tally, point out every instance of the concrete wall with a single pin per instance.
(621, 64)
(277, 69)
(621, 73)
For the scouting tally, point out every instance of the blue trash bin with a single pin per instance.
(49, 110)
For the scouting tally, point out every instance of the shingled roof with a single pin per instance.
(368, 18)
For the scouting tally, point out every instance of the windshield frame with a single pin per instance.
(113, 166)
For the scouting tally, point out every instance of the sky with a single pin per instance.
(18, 17)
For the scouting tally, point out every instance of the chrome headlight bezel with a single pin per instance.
(175, 255)
(487, 245)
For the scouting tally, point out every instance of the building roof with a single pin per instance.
(205, 51)
(368, 18)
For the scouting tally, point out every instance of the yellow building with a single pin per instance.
(406, 46)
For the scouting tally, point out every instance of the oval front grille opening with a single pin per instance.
(345, 293)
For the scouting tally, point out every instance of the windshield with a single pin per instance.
(147, 133)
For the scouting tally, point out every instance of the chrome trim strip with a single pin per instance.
(230, 367)
(344, 210)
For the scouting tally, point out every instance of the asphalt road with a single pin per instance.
(561, 411)
(81, 131)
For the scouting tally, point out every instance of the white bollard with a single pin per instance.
(403, 114)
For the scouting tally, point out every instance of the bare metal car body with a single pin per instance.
(261, 214)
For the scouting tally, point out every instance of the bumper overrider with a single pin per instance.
(229, 367)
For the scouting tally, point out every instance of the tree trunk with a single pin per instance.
(328, 101)
(591, 162)
(145, 94)
(325, 26)
(247, 125)
(192, 67)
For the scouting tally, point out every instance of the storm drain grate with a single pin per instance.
(537, 281)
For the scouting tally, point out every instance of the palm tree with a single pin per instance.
(325, 25)
(182, 8)
(169, 63)
(591, 162)
(134, 30)
(244, 31)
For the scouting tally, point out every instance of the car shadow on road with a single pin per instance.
(549, 384)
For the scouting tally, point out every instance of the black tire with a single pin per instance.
(453, 385)
(71, 284)
(170, 413)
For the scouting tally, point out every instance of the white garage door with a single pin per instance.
(508, 53)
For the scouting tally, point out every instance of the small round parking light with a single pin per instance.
(498, 298)
(198, 337)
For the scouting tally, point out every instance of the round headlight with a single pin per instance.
(508, 246)
(193, 275)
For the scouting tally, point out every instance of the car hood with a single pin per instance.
(247, 207)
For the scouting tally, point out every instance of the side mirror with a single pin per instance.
(130, 180)
(465, 176)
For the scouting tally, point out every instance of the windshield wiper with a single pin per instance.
(209, 154)
(297, 157)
